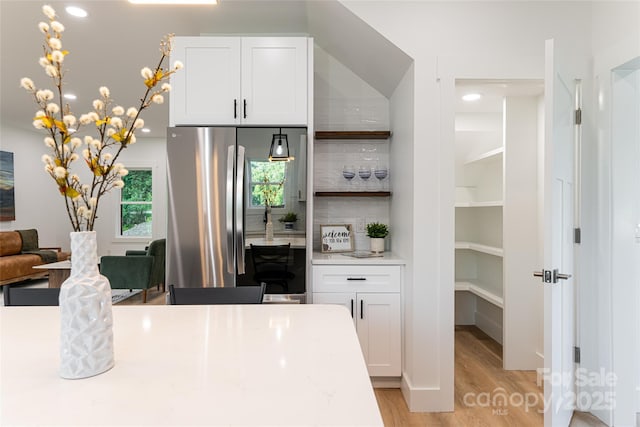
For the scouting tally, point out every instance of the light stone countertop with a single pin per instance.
(387, 258)
(250, 365)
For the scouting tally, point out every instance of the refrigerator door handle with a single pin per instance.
(240, 250)
(231, 157)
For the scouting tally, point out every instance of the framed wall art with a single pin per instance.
(7, 191)
(336, 238)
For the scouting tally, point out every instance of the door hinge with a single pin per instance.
(578, 116)
(576, 354)
(577, 235)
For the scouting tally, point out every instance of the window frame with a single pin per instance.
(252, 209)
(119, 204)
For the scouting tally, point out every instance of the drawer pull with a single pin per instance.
(356, 278)
(362, 309)
(351, 307)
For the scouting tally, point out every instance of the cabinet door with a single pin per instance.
(348, 299)
(378, 325)
(274, 80)
(207, 90)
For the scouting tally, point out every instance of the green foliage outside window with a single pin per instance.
(267, 178)
(136, 198)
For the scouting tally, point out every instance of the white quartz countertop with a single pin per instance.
(387, 258)
(216, 365)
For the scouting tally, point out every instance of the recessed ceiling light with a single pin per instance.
(76, 11)
(145, 130)
(469, 97)
(176, 2)
(70, 96)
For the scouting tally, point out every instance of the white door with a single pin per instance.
(558, 239)
(274, 80)
(207, 90)
(378, 325)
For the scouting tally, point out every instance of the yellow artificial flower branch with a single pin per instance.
(115, 127)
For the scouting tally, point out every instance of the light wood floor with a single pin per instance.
(478, 369)
(478, 375)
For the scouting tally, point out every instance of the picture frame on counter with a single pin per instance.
(336, 238)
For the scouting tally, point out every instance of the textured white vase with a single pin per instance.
(86, 334)
(268, 229)
(377, 245)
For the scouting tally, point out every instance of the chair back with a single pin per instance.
(157, 249)
(271, 258)
(271, 264)
(30, 296)
(223, 295)
(127, 272)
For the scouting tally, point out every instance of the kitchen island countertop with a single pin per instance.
(278, 365)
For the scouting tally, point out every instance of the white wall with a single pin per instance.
(343, 101)
(616, 40)
(478, 37)
(40, 206)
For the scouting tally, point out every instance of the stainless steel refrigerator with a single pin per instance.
(207, 173)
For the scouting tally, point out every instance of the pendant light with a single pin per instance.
(279, 151)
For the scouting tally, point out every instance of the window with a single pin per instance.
(135, 204)
(267, 178)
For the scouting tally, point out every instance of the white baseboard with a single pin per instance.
(386, 382)
(423, 399)
(489, 327)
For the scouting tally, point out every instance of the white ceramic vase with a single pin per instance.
(269, 226)
(377, 245)
(86, 334)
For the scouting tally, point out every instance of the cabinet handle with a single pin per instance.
(356, 278)
(244, 109)
(352, 307)
(235, 108)
(362, 309)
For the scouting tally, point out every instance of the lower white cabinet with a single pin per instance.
(372, 296)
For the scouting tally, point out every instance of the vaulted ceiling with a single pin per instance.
(117, 39)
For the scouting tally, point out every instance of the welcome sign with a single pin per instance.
(336, 238)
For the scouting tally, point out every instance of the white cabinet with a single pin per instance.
(372, 296)
(240, 81)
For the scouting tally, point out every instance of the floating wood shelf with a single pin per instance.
(330, 134)
(353, 193)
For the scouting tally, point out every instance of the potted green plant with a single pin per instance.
(289, 219)
(377, 232)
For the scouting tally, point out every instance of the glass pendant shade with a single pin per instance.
(279, 151)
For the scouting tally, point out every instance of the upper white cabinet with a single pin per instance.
(240, 81)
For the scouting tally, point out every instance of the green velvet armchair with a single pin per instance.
(136, 269)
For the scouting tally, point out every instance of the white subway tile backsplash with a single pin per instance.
(343, 101)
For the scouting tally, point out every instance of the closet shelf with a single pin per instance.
(489, 155)
(487, 204)
(479, 291)
(338, 134)
(352, 193)
(491, 250)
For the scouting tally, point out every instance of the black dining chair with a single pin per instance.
(30, 296)
(222, 295)
(271, 264)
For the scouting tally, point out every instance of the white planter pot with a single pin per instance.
(86, 333)
(377, 245)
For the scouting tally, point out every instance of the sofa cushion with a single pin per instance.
(16, 266)
(29, 239)
(10, 243)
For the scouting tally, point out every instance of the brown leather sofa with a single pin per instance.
(19, 252)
